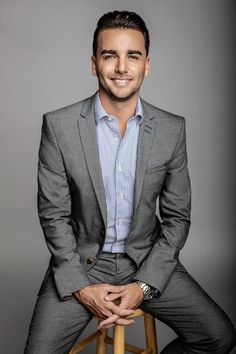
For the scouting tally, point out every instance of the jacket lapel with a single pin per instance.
(146, 133)
(88, 136)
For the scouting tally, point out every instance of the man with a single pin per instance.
(103, 164)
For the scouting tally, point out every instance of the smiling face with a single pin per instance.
(120, 63)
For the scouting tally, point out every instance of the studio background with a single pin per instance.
(45, 64)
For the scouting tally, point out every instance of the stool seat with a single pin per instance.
(118, 340)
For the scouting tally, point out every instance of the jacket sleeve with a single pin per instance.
(175, 206)
(54, 209)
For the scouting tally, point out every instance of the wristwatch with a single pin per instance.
(148, 291)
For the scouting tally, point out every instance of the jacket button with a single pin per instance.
(103, 232)
(90, 260)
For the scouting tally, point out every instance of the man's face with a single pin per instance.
(120, 63)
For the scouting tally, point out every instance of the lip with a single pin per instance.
(121, 81)
(121, 78)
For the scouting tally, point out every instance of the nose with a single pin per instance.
(121, 66)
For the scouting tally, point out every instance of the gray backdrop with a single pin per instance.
(45, 64)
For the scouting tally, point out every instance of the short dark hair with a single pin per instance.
(122, 20)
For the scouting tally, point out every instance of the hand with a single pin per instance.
(93, 297)
(131, 297)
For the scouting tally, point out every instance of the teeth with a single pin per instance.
(121, 82)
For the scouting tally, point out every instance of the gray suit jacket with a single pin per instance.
(72, 202)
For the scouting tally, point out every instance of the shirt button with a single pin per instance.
(119, 168)
(121, 195)
(91, 260)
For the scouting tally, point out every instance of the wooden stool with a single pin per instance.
(118, 340)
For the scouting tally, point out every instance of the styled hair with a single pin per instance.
(121, 20)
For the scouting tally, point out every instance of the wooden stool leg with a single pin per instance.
(150, 331)
(119, 339)
(101, 344)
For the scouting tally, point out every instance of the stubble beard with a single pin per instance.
(116, 98)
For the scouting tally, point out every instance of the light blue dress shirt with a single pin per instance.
(118, 163)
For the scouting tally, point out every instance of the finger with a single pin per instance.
(105, 313)
(108, 321)
(126, 303)
(122, 312)
(115, 288)
(108, 326)
(124, 322)
(112, 296)
(120, 321)
(129, 306)
(100, 312)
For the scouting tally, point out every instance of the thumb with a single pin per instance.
(124, 303)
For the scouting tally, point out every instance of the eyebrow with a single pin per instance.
(137, 52)
(111, 51)
(108, 51)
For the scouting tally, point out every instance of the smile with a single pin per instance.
(121, 82)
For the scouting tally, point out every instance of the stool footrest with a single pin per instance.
(130, 347)
(79, 346)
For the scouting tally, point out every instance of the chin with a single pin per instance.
(122, 97)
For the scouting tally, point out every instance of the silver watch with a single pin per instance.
(148, 291)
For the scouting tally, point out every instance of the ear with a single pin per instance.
(147, 66)
(94, 66)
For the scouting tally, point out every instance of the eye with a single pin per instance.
(109, 56)
(133, 57)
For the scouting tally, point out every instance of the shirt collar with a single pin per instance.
(101, 113)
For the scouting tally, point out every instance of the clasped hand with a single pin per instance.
(100, 300)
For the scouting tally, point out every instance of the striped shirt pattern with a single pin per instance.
(118, 164)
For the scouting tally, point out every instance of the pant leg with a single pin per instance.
(55, 324)
(200, 324)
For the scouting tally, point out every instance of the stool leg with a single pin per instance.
(150, 331)
(119, 339)
(101, 344)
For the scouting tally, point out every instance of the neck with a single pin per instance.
(123, 110)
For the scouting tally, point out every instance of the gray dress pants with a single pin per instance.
(201, 325)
